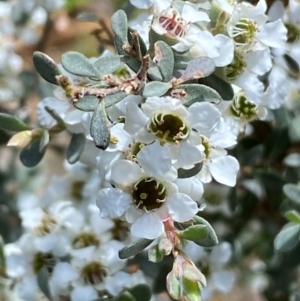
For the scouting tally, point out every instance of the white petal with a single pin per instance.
(125, 172)
(204, 174)
(204, 117)
(224, 170)
(267, 36)
(63, 273)
(148, 226)
(86, 293)
(181, 207)
(144, 4)
(191, 186)
(112, 202)
(124, 139)
(27, 288)
(223, 281)
(191, 14)
(135, 118)
(154, 159)
(226, 50)
(188, 155)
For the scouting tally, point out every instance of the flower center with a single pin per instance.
(93, 273)
(236, 67)
(148, 194)
(48, 224)
(76, 190)
(243, 34)
(168, 127)
(293, 33)
(174, 24)
(242, 108)
(120, 230)
(85, 239)
(43, 259)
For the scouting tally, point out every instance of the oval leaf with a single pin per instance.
(211, 239)
(10, 123)
(165, 59)
(44, 140)
(219, 85)
(43, 282)
(76, 147)
(77, 63)
(46, 67)
(134, 248)
(154, 73)
(293, 216)
(156, 89)
(291, 63)
(141, 292)
(108, 64)
(195, 233)
(112, 99)
(292, 191)
(30, 156)
(119, 25)
(198, 68)
(87, 103)
(99, 127)
(287, 238)
(196, 93)
(188, 173)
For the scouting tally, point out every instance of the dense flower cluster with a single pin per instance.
(160, 154)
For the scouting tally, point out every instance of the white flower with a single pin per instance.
(143, 200)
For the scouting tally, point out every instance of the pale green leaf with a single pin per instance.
(134, 248)
(195, 233)
(76, 147)
(292, 191)
(293, 216)
(156, 89)
(87, 103)
(287, 238)
(165, 59)
(11, 123)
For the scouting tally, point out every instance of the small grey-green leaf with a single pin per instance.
(76, 63)
(112, 99)
(43, 282)
(198, 68)
(119, 24)
(46, 67)
(211, 239)
(55, 116)
(198, 93)
(219, 85)
(75, 147)
(292, 191)
(188, 173)
(291, 63)
(141, 292)
(30, 156)
(87, 103)
(195, 233)
(287, 238)
(154, 73)
(11, 123)
(99, 127)
(156, 89)
(165, 59)
(134, 248)
(44, 140)
(293, 216)
(108, 64)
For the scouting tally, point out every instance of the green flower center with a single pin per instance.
(120, 230)
(48, 224)
(43, 259)
(168, 127)
(76, 190)
(93, 273)
(85, 239)
(243, 34)
(148, 194)
(293, 33)
(242, 108)
(236, 68)
(213, 198)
